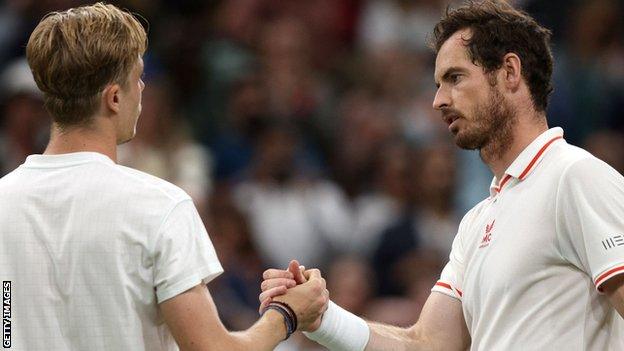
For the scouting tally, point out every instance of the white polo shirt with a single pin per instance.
(91, 248)
(526, 262)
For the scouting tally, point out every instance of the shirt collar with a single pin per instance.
(61, 160)
(528, 159)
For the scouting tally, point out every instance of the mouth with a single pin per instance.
(449, 119)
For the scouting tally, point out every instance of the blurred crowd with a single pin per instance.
(304, 129)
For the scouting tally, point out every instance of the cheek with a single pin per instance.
(468, 97)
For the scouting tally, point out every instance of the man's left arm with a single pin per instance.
(590, 224)
(614, 289)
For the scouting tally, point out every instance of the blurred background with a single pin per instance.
(304, 129)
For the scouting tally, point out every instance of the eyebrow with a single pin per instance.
(449, 72)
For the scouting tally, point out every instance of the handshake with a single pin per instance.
(300, 295)
(302, 298)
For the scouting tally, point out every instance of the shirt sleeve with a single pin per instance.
(451, 278)
(184, 255)
(590, 219)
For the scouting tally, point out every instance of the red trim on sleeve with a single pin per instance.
(444, 285)
(608, 274)
(448, 286)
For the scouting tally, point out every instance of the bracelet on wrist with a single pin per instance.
(290, 311)
(288, 320)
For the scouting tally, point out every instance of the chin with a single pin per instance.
(467, 141)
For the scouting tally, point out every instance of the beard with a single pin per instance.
(491, 128)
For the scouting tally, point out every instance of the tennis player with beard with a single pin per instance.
(538, 264)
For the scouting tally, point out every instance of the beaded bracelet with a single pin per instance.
(288, 320)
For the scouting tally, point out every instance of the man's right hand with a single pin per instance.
(295, 283)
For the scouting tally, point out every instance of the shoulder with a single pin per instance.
(473, 213)
(582, 174)
(566, 156)
(576, 163)
(143, 182)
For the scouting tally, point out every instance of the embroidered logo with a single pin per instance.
(487, 237)
(614, 241)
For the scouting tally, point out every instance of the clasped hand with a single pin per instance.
(303, 290)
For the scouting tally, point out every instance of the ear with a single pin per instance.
(111, 98)
(512, 71)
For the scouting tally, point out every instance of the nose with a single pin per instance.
(442, 99)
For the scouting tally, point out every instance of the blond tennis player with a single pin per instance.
(96, 256)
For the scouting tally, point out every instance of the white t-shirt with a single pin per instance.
(528, 261)
(91, 248)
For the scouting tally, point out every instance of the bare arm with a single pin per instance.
(193, 320)
(195, 325)
(441, 326)
(614, 289)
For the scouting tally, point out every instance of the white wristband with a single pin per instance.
(341, 330)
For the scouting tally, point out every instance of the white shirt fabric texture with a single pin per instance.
(91, 248)
(528, 262)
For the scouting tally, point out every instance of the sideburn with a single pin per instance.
(502, 118)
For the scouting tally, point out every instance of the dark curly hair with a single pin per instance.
(497, 29)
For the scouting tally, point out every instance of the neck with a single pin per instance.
(94, 138)
(500, 157)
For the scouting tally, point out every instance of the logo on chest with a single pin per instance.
(487, 237)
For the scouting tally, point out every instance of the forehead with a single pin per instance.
(454, 53)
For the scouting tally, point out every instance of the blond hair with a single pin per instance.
(75, 54)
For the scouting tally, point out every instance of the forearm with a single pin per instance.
(437, 329)
(342, 331)
(265, 334)
(390, 338)
(194, 322)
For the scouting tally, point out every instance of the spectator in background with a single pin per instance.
(607, 146)
(225, 57)
(24, 127)
(292, 213)
(297, 92)
(387, 197)
(235, 291)
(352, 281)
(364, 125)
(431, 224)
(435, 218)
(246, 116)
(416, 272)
(163, 146)
(589, 78)
(397, 23)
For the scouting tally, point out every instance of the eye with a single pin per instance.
(454, 78)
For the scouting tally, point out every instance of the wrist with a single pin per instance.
(276, 322)
(341, 330)
(288, 316)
